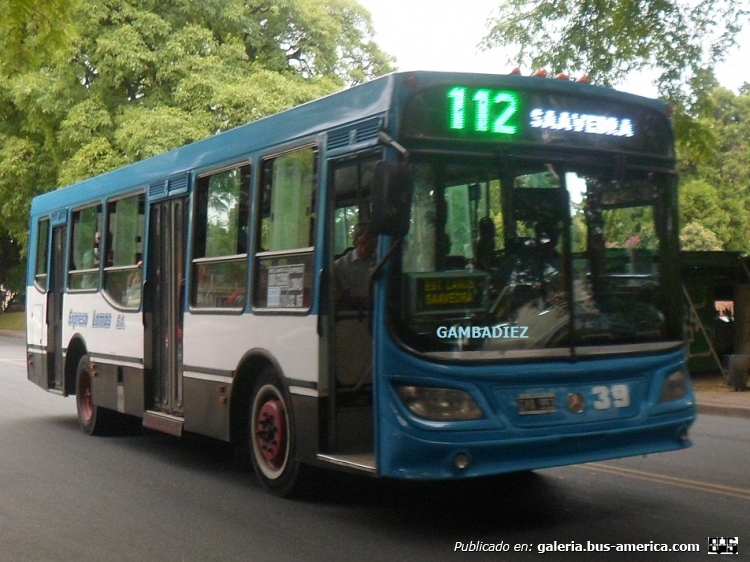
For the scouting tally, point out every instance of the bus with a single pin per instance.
(524, 307)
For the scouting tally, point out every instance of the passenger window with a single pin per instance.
(288, 201)
(42, 245)
(85, 256)
(123, 269)
(284, 268)
(221, 238)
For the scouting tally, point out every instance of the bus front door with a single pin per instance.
(166, 296)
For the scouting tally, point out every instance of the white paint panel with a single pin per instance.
(220, 341)
(36, 331)
(303, 391)
(122, 335)
(207, 377)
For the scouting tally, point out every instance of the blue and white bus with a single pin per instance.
(525, 309)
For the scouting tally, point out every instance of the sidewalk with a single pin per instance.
(712, 394)
(714, 397)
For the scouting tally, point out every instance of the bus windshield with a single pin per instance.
(530, 257)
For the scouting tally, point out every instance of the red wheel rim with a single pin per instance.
(271, 432)
(84, 392)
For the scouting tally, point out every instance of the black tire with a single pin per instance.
(271, 436)
(93, 419)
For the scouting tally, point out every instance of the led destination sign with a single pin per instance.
(498, 112)
(537, 116)
(580, 123)
(503, 105)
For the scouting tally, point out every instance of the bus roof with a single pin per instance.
(301, 121)
(335, 110)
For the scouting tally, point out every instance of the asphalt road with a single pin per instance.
(65, 496)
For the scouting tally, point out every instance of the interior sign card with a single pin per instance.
(285, 286)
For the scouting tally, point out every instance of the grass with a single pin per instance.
(12, 320)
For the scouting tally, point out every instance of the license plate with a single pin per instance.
(542, 403)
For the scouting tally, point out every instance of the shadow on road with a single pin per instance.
(520, 501)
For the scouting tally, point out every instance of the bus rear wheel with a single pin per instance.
(93, 419)
(271, 436)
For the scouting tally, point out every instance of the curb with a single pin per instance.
(723, 410)
(20, 334)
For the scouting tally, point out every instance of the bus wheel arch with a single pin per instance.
(76, 349)
(263, 425)
(242, 387)
(93, 419)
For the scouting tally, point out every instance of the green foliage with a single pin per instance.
(90, 86)
(698, 238)
(715, 191)
(578, 228)
(33, 33)
(144, 131)
(12, 320)
(11, 265)
(700, 206)
(608, 39)
(630, 227)
(23, 172)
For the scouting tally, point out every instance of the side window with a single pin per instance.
(284, 269)
(42, 245)
(221, 237)
(352, 181)
(85, 257)
(123, 268)
(288, 201)
(344, 220)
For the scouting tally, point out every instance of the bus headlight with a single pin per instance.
(439, 404)
(675, 387)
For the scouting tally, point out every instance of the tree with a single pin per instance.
(11, 265)
(698, 238)
(140, 77)
(700, 206)
(607, 39)
(715, 192)
(32, 32)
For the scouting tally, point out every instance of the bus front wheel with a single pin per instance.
(271, 436)
(93, 419)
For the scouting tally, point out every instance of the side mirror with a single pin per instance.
(393, 186)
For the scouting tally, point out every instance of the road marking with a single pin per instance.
(708, 487)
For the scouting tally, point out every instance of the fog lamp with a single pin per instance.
(461, 461)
